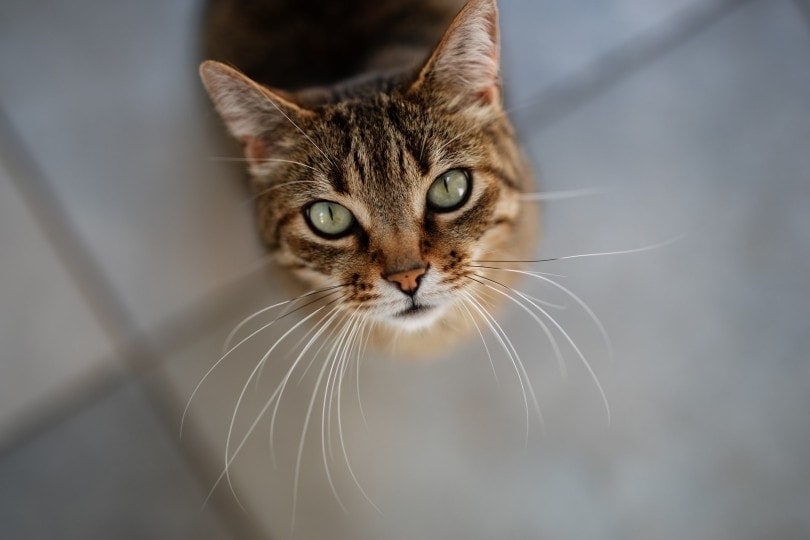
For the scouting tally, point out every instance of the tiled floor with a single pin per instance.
(128, 254)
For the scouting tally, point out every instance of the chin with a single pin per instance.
(417, 318)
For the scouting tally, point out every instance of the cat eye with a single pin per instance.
(449, 191)
(329, 219)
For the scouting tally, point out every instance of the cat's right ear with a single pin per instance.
(463, 69)
(251, 111)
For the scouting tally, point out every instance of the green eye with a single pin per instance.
(329, 219)
(449, 191)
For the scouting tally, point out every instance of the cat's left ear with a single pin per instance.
(463, 68)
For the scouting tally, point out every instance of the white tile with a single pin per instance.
(709, 436)
(50, 342)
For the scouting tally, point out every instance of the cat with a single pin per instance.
(385, 171)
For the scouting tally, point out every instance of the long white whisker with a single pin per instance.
(232, 349)
(560, 195)
(228, 340)
(332, 359)
(301, 444)
(343, 340)
(360, 357)
(599, 254)
(547, 303)
(507, 346)
(345, 361)
(570, 341)
(522, 368)
(484, 341)
(552, 340)
(244, 389)
(262, 160)
(229, 458)
(246, 320)
(328, 340)
(321, 326)
(307, 334)
(597, 322)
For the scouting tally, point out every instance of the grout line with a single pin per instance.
(110, 312)
(804, 7)
(562, 98)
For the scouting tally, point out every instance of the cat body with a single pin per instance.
(385, 170)
(294, 45)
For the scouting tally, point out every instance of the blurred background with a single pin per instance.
(128, 253)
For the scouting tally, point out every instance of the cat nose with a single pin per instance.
(407, 281)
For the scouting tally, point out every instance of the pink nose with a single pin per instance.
(408, 281)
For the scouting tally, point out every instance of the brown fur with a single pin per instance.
(374, 144)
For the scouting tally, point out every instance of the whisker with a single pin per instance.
(249, 318)
(228, 457)
(597, 322)
(343, 341)
(552, 340)
(345, 361)
(227, 353)
(484, 341)
(332, 360)
(561, 195)
(321, 328)
(361, 355)
(306, 335)
(519, 362)
(261, 160)
(568, 338)
(511, 352)
(561, 276)
(599, 254)
(301, 444)
(326, 342)
(326, 427)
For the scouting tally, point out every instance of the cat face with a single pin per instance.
(388, 192)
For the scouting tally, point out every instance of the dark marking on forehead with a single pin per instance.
(358, 161)
(340, 121)
(412, 133)
(401, 157)
(338, 181)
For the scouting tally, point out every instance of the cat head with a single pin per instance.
(388, 190)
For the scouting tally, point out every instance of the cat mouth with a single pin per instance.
(414, 311)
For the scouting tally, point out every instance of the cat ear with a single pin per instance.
(251, 111)
(464, 65)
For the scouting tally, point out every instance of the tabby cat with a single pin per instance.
(385, 170)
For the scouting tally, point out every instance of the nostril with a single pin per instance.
(408, 282)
